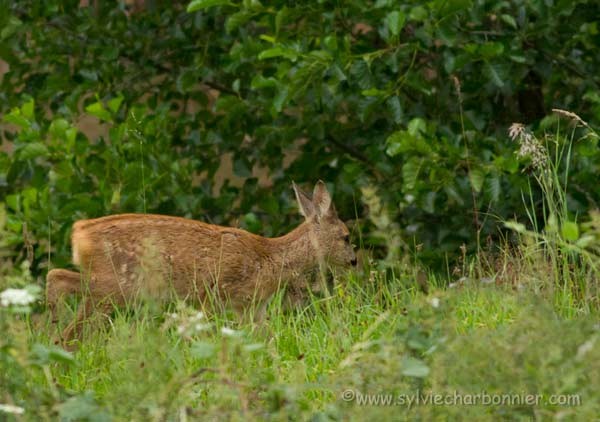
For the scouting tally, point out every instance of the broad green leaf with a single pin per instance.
(410, 173)
(259, 81)
(509, 20)
(27, 109)
(44, 355)
(280, 99)
(570, 231)
(359, 70)
(196, 5)
(476, 177)
(417, 126)
(16, 118)
(277, 52)
(493, 72)
(58, 127)
(97, 109)
(494, 187)
(418, 13)
(395, 108)
(489, 50)
(115, 103)
(395, 21)
(33, 150)
(394, 143)
(10, 27)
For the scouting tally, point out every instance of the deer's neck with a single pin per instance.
(293, 255)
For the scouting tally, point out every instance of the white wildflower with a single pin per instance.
(18, 297)
(435, 302)
(9, 408)
(515, 130)
(198, 316)
(529, 145)
(228, 331)
(586, 347)
(201, 327)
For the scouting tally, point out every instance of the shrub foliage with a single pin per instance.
(409, 100)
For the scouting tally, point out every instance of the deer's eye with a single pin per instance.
(347, 238)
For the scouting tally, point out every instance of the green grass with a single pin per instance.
(375, 334)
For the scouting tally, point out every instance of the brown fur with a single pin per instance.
(124, 256)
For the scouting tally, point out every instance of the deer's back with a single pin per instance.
(123, 250)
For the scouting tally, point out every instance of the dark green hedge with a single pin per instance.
(412, 99)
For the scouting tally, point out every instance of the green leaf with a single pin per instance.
(394, 143)
(490, 49)
(476, 177)
(270, 53)
(360, 72)
(418, 13)
(494, 73)
(10, 27)
(27, 109)
(395, 21)
(515, 226)
(417, 126)
(82, 408)
(509, 20)
(33, 150)
(280, 99)
(410, 173)
(44, 355)
(395, 108)
(277, 52)
(259, 81)
(236, 20)
(413, 367)
(252, 223)
(196, 5)
(373, 92)
(97, 109)
(16, 118)
(494, 187)
(115, 103)
(570, 231)
(58, 127)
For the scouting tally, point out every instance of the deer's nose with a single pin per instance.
(354, 261)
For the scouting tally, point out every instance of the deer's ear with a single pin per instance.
(322, 200)
(307, 209)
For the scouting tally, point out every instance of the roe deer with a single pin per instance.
(121, 256)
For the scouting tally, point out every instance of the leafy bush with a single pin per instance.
(412, 99)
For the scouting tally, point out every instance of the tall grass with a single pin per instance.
(376, 335)
(557, 253)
